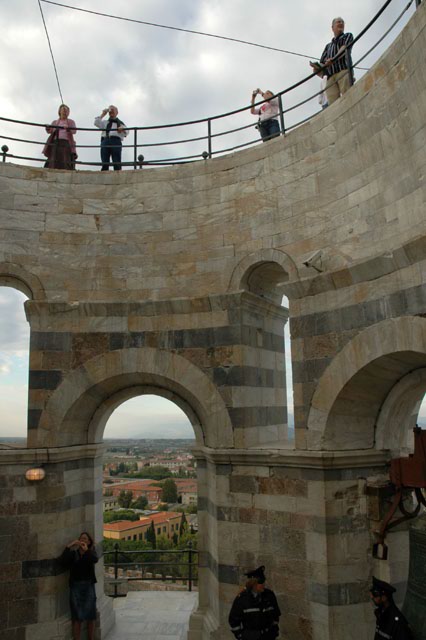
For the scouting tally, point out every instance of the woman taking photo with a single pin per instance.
(60, 146)
(80, 557)
(268, 113)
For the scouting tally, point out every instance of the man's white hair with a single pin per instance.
(336, 19)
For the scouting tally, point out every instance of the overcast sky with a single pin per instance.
(154, 76)
(158, 76)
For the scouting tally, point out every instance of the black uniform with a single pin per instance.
(255, 616)
(391, 624)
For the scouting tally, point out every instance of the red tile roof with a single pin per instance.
(157, 518)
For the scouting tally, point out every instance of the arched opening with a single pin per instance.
(74, 421)
(288, 372)
(149, 512)
(265, 274)
(265, 279)
(421, 415)
(377, 408)
(14, 359)
(355, 414)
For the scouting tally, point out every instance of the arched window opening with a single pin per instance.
(265, 276)
(150, 503)
(265, 279)
(14, 359)
(288, 374)
(421, 416)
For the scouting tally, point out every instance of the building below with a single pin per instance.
(166, 523)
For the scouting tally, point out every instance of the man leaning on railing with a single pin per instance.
(339, 71)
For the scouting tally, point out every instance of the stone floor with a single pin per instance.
(153, 615)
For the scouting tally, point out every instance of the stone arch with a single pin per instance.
(80, 406)
(401, 407)
(13, 275)
(264, 273)
(100, 418)
(351, 393)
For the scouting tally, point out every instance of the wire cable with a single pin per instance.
(51, 52)
(199, 33)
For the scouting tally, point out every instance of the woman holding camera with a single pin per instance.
(268, 113)
(80, 557)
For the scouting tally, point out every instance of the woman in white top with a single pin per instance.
(268, 112)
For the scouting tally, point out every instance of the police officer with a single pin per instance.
(255, 613)
(390, 623)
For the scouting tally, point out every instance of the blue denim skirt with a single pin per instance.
(83, 601)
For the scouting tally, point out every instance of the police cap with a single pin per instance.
(380, 588)
(258, 573)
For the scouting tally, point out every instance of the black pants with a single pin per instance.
(111, 148)
(269, 129)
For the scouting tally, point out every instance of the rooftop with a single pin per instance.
(157, 518)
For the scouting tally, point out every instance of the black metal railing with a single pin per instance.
(158, 570)
(205, 138)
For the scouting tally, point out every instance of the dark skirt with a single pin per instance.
(83, 601)
(60, 156)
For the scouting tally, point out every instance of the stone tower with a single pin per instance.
(169, 281)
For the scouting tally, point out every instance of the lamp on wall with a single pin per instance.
(315, 261)
(36, 474)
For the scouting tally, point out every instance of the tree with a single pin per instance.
(140, 503)
(150, 535)
(125, 499)
(156, 472)
(183, 525)
(169, 493)
(122, 514)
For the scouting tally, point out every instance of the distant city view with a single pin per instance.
(149, 504)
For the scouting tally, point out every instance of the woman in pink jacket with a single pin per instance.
(60, 146)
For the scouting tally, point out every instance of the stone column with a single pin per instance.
(301, 514)
(37, 521)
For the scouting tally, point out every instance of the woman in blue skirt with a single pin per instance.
(80, 557)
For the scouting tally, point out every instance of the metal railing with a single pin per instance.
(121, 561)
(205, 133)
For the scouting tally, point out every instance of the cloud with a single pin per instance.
(158, 76)
(14, 329)
(148, 417)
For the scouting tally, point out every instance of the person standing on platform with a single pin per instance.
(80, 557)
(390, 622)
(337, 71)
(60, 147)
(113, 133)
(255, 612)
(268, 113)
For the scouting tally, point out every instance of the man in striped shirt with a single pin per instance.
(337, 72)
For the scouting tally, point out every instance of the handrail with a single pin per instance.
(210, 135)
(116, 552)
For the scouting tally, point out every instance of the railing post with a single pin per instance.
(209, 137)
(4, 151)
(135, 149)
(190, 566)
(280, 104)
(349, 66)
(116, 547)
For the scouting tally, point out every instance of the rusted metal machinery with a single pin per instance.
(408, 475)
